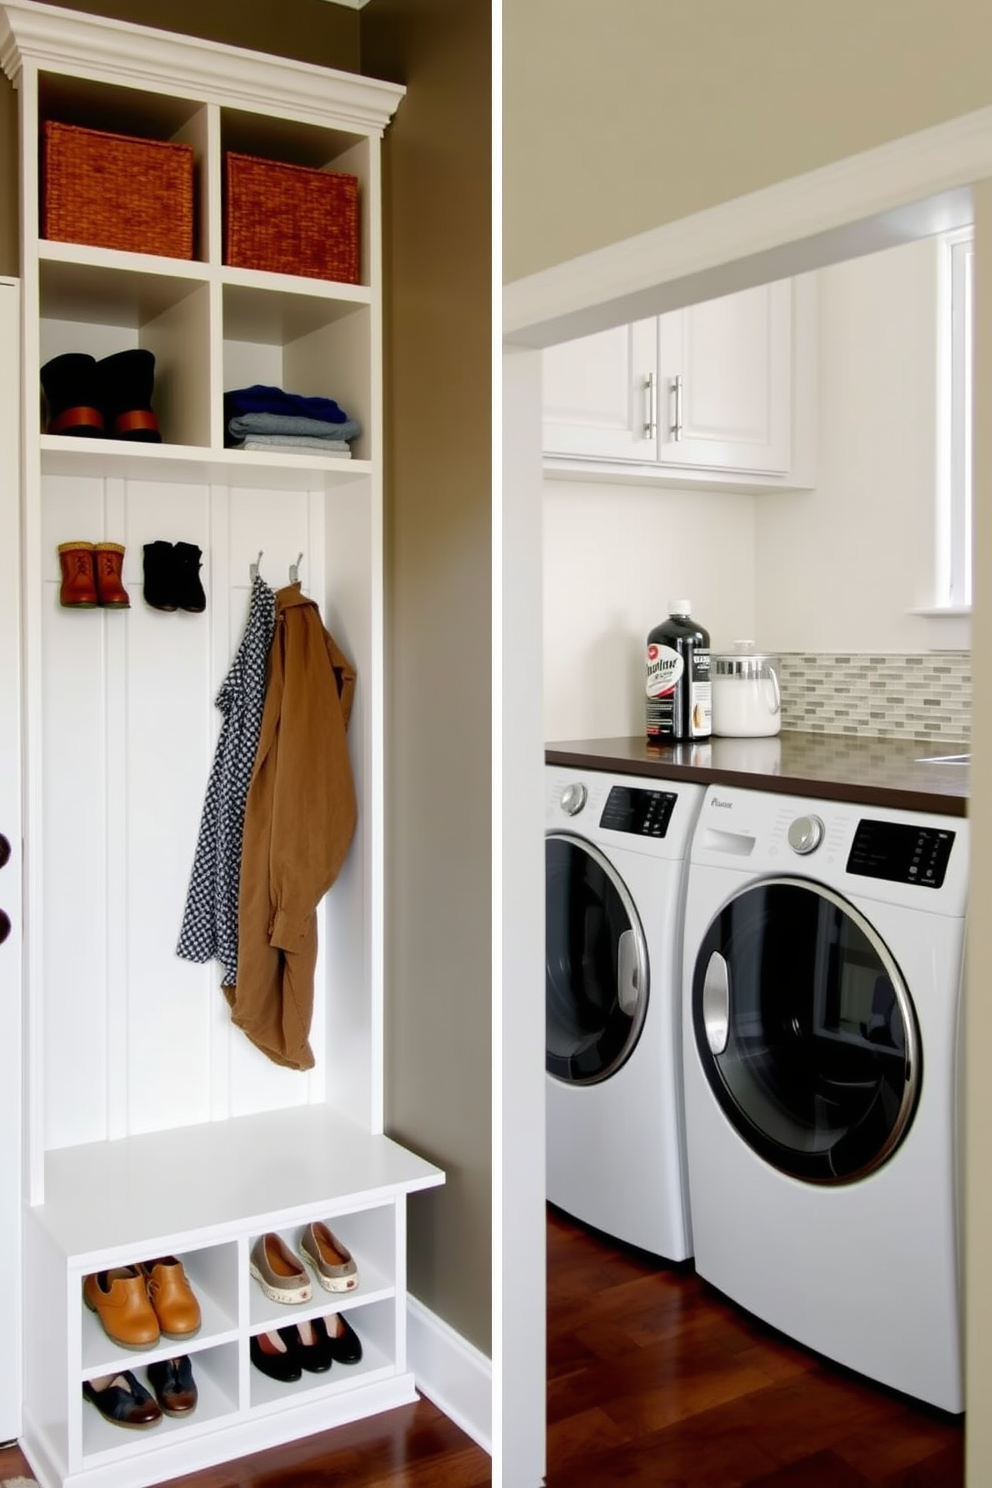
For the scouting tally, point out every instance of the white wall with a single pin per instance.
(838, 568)
(772, 566)
(613, 557)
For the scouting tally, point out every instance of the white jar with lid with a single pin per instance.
(747, 701)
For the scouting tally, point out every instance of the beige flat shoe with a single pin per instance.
(332, 1261)
(278, 1272)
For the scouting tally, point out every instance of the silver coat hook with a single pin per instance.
(253, 570)
(294, 570)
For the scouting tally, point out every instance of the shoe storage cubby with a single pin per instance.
(152, 1126)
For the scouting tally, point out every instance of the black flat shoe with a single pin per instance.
(124, 1402)
(345, 1345)
(278, 1364)
(315, 1357)
(174, 1385)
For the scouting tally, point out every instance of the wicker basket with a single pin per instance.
(112, 191)
(290, 219)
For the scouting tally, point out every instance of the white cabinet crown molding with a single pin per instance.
(151, 59)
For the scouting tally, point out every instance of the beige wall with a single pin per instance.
(620, 117)
(438, 562)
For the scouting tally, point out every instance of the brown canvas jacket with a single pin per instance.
(300, 817)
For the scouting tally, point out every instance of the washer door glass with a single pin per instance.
(806, 1031)
(596, 963)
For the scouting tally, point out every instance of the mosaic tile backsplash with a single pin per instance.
(886, 696)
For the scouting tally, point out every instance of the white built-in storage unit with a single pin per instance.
(152, 1125)
(718, 394)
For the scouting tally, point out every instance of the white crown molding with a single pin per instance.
(887, 195)
(50, 38)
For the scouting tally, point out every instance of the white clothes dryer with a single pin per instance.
(824, 948)
(615, 852)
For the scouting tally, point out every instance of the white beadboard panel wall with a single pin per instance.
(613, 558)
(832, 572)
(839, 568)
(136, 1039)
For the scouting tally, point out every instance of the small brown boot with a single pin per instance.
(109, 561)
(78, 590)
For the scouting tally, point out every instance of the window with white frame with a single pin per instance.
(954, 550)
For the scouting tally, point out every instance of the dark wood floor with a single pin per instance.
(412, 1447)
(654, 1378)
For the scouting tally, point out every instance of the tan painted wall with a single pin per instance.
(438, 563)
(619, 117)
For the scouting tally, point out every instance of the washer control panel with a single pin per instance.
(644, 813)
(901, 853)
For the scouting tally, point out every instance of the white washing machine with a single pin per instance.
(824, 948)
(615, 852)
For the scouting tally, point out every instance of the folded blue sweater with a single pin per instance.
(261, 399)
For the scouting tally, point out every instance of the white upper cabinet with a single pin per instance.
(718, 393)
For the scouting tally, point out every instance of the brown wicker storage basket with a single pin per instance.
(112, 191)
(290, 219)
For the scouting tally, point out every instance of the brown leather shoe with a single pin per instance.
(171, 1295)
(119, 1299)
(78, 589)
(108, 562)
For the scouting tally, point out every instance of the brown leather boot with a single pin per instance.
(78, 589)
(108, 561)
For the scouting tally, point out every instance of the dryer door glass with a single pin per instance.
(595, 960)
(806, 1031)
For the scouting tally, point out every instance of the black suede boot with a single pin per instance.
(160, 576)
(72, 397)
(125, 383)
(188, 589)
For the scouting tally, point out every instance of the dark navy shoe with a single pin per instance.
(124, 1402)
(174, 1385)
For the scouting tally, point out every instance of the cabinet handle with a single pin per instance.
(676, 429)
(650, 407)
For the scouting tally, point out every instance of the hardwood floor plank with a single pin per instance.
(706, 1395)
(819, 1470)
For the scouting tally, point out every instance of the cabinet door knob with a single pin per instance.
(4, 850)
(5, 926)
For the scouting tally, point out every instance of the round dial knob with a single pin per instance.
(573, 798)
(806, 834)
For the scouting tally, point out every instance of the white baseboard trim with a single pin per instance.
(451, 1372)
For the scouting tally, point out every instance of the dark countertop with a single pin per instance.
(835, 767)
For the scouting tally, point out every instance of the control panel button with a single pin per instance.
(806, 834)
(573, 798)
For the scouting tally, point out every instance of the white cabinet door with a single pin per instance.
(10, 871)
(725, 373)
(704, 393)
(600, 394)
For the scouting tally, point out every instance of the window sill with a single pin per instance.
(948, 627)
